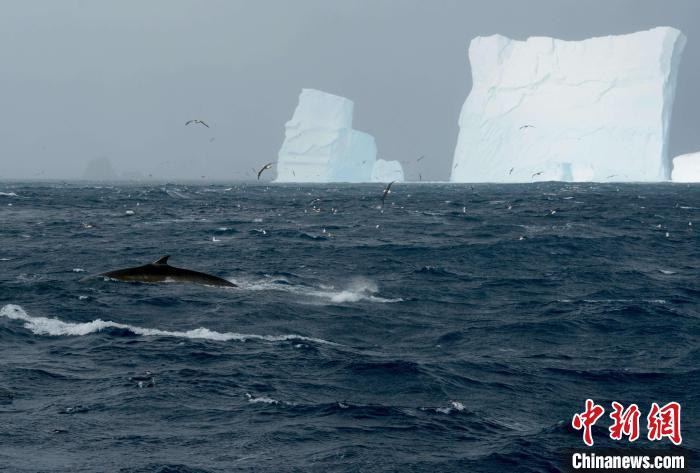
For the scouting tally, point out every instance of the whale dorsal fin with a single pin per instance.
(162, 260)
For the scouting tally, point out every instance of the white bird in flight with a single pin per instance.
(386, 192)
(267, 166)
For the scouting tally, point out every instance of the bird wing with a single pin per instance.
(386, 192)
(188, 122)
(267, 166)
(200, 121)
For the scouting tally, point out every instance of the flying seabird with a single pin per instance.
(386, 192)
(196, 122)
(538, 173)
(511, 171)
(526, 126)
(421, 157)
(267, 166)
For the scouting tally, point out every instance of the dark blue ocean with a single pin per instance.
(457, 330)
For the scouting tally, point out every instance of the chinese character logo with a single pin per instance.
(587, 419)
(662, 422)
(625, 422)
(665, 422)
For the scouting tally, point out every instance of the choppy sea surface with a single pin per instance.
(458, 329)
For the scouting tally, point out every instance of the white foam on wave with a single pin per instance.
(625, 301)
(612, 301)
(261, 400)
(57, 327)
(176, 194)
(455, 406)
(359, 289)
(8, 194)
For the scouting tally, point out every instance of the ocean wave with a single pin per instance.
(57, 327)
(434, 270)
(359, 289)
(614, 301)
(454, 406)
(176, 193)
(262, 400)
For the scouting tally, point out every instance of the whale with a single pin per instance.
(160, 271)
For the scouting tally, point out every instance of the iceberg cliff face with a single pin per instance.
(320, 144)
(591, 110)
(387, 171)
(686, 168)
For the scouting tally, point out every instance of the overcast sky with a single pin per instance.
(118, 79)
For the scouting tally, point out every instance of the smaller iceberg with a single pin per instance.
(686, 168)
(387, 171)
(320, 144)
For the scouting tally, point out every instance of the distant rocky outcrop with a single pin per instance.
(100, 169)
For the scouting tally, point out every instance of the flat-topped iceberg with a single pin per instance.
(686, 168)
(320, 144)
(547, 109)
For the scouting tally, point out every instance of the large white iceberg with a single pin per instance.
(547, 109)
(320, 144)
(686, 168)
(387, 171)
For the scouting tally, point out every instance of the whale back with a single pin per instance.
(161, 271)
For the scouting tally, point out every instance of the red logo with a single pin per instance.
(586, 419)
(662, 422)
(665, 422)
(626, 422)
